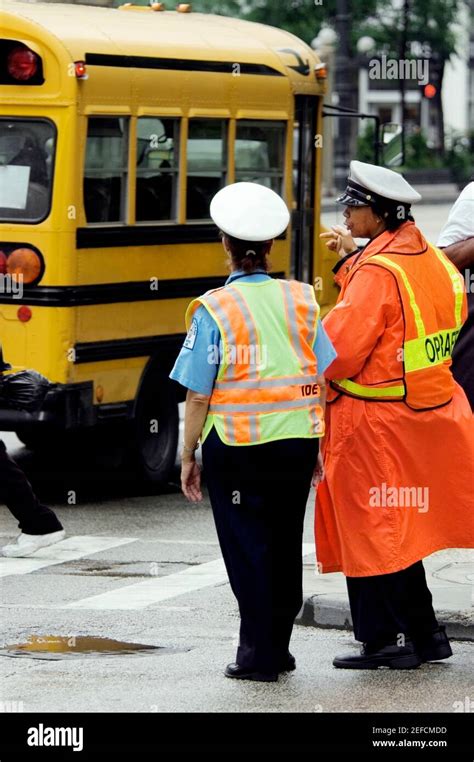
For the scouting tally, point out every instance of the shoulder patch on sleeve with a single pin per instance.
(190, 339)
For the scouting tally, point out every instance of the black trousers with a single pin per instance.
(17, 494)
(386, 605)
(258, 495)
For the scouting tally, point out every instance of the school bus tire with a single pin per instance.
(38, 437)
(155, 428)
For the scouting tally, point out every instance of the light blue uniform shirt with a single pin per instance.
(195, 367)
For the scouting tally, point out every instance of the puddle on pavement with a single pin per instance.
(60, 647)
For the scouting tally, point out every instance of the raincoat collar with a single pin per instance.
(407, 239)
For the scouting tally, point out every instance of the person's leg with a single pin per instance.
(17, 494)
(418, 602)
(389, 612)
(237, 499)
(377, 616)
(430, 638)
(387, 605)
(291, 467)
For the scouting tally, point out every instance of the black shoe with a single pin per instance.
(288, 664)
(435, 646)
(242, 673)
(391, 655)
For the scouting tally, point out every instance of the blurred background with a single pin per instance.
(362, 43)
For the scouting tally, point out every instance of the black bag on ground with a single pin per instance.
(25, 390)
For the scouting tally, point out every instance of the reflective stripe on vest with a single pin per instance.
(360, 390)
(424, 351)
(456, 280)
(254, 401)
(265, 383)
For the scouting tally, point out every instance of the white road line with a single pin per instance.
(158, 589)
(69, 549)
(178, 542)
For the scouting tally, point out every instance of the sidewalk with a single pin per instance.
(450, 577)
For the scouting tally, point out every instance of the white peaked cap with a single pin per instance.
(250, 211)
(384, 182)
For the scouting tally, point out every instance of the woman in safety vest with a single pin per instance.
(252, 363)
(397, 424)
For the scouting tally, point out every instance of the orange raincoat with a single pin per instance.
(399, 483)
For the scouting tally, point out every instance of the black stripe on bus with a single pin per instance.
(112, 293)
(144, 235)
(121, 349)
(180, 64)
(118, 236)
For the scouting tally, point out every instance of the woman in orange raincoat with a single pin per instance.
(398, 453)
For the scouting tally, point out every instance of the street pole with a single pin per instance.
(402, 56)
(345, 87)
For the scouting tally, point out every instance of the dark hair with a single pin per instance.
(393, 213)
(248, 255)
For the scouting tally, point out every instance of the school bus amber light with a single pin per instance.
(22, 63)
(25, 264)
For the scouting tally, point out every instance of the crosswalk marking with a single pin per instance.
(69, 549)
(126, 597)
(158, 589)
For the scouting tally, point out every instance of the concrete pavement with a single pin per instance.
(450, 577)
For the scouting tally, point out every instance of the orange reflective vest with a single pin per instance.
(266, 387)
(431, 291)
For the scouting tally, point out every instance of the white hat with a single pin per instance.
(250, 211)
(368, 184)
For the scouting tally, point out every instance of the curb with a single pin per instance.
(326, 613)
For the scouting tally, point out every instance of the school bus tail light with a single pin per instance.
(19, 64)
(22, 63)
(3, 263)
(26, 265)
(24, 314)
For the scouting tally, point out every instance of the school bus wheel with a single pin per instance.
(155, 427)
(39, 437)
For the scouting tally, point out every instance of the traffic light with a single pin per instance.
(429, 90)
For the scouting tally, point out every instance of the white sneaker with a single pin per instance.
(27, 544)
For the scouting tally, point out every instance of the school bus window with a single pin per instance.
(260, 153)
(207, 164)
(157, 169)
(105, 172)
(27, 148)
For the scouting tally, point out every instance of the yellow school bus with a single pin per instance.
(117, 126)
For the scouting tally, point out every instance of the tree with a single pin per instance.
(426, 26)
(304, 18)
(429, 34)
